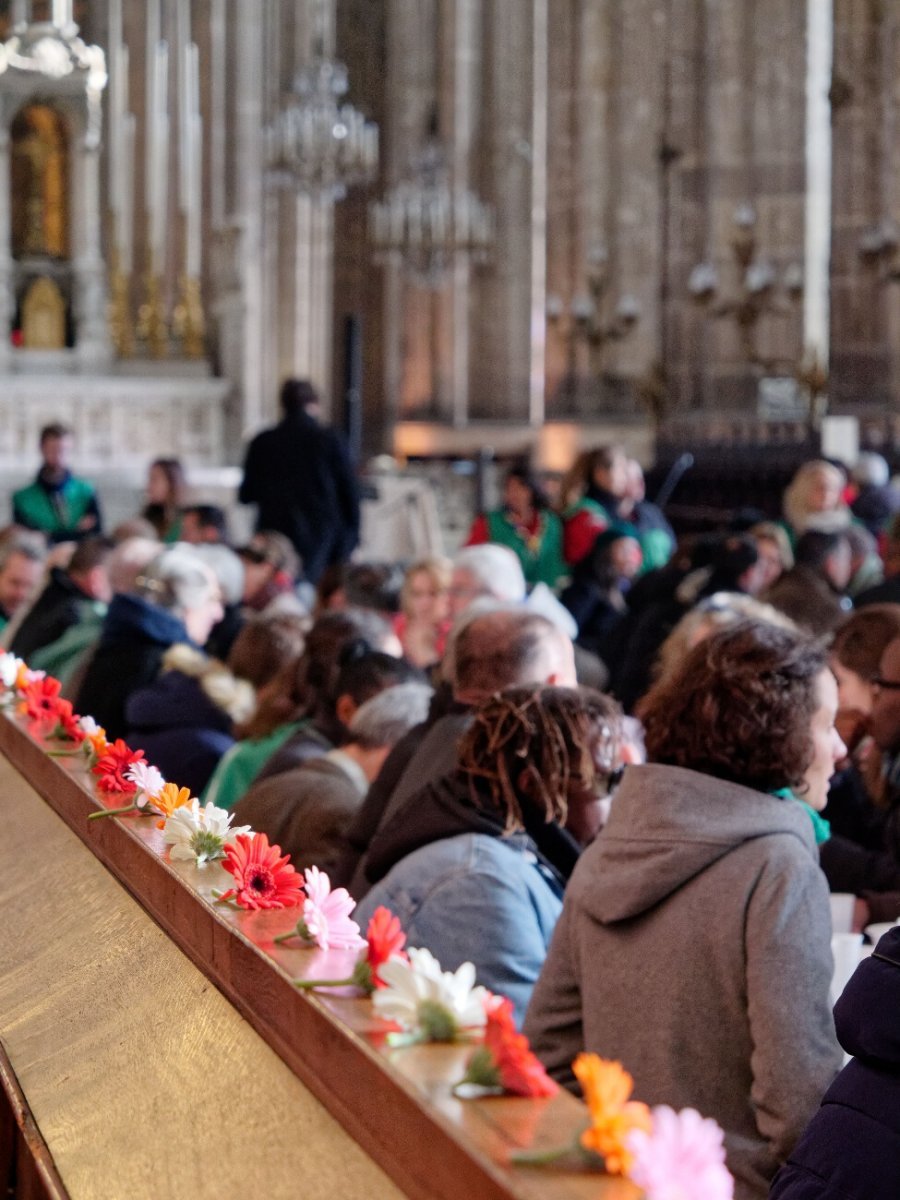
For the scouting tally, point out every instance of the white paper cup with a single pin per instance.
(845, 949)
(842, 912)
(878, 930)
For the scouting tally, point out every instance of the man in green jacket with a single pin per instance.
(57, 503)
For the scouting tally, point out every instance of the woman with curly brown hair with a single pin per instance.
(694, 943)
(477, 870)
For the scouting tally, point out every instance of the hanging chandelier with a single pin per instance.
(316, 144)
(425, 224)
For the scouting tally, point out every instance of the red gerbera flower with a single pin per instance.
(520, 1071)
(40, 703)
(67, 724)
(263, 876)
(110, 768)
(385, 940)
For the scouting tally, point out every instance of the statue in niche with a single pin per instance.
(43, 316)
(39, 172)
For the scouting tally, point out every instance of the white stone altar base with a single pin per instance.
(121, 422)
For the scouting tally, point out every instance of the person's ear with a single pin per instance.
(345, 709)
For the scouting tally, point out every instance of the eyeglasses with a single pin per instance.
(886, 685)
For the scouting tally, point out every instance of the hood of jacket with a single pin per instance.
(444, 809)
(174, 701)
(131, 617)
(666, 825)
(865, 1016)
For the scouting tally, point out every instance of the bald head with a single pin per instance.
(506, 648)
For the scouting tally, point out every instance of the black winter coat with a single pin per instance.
(299, 475)
(851, 1148)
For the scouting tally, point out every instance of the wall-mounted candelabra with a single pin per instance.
(594, 319)
(759, 292)
(878, 247)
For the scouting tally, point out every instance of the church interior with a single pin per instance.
(493, 236)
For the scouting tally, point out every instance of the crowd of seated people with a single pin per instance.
(601, 764)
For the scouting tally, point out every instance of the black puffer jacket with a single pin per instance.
(851, 1148)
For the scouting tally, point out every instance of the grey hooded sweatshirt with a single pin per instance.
(694, 947)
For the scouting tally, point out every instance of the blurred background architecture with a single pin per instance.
(470, 222)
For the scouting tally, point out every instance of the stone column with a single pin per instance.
(7, 300)
(410, 101)
(90, 299)
(864, 194)
(258, 404)
(502, 345)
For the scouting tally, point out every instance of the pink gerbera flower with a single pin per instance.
(681, 1158)
(326, 913)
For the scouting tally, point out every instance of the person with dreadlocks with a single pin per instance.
(475, 871)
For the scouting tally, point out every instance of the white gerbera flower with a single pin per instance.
(89, 726)
(199, 834)
(149, 782)
(9, 669)
(427, 1001)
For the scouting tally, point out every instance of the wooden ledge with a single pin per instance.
(397, 1104)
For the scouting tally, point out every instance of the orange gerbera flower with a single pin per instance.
(263, 876)
(170, 797)
(95, 744)
(520, 1071)
(607, 1086)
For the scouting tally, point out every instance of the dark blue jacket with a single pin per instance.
(179, 728)
(851, 1148)
(136, 634)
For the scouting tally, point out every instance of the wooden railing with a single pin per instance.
(128, 1075)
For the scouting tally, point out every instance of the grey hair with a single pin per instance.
(177, 579)
(385, 718)
(29, 544)
(497, 569)
(227, 568)
(128, 560)
(871, 470)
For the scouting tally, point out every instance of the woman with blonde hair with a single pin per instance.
(423, 622)
(813, 500)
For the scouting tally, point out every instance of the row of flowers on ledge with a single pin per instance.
(669, 1154)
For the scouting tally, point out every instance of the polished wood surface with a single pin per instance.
(132, 1062)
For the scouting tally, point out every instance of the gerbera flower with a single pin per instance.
(112, 766)
(326, 914)
(431, 1004)
(95, 743)
(198, 834)
(607, 1086)
(68, 724)
(263, 876)
(385, 940)
(515, 1068)
(148, 780)
(681, 1158)
(167, 798)
(40, 703)
(10, 666)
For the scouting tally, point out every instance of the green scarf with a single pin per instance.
(821, 828)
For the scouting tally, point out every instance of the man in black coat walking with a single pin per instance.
(300, 477)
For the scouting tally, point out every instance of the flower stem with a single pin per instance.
(317, 983)
(112, 812)
(64, 753)
(286, 937)
(538, 1158)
